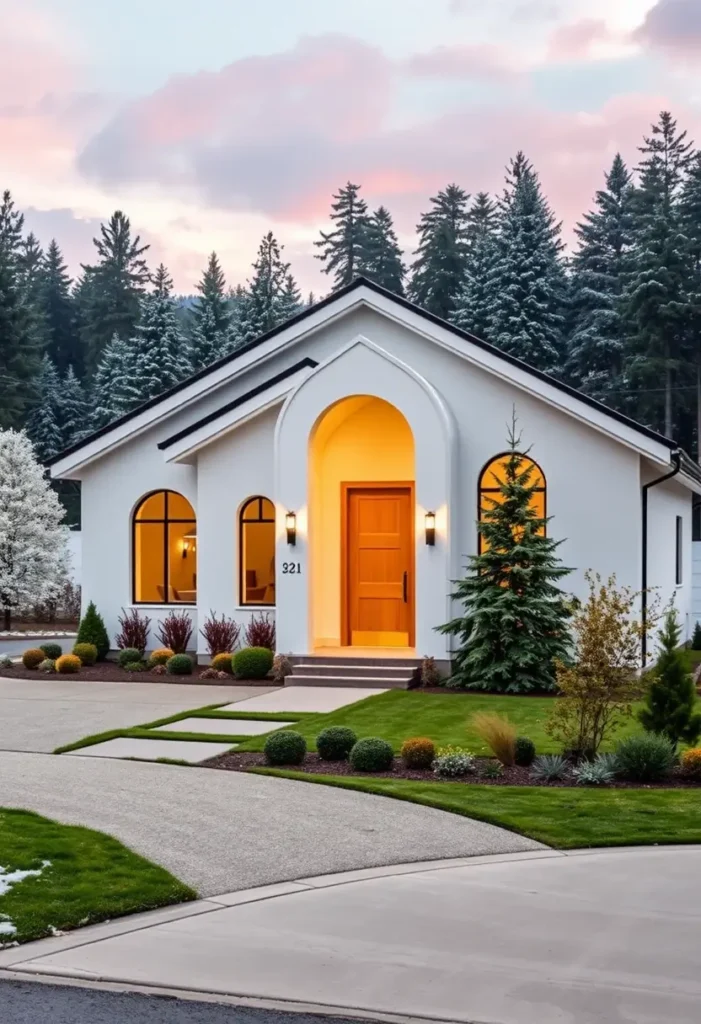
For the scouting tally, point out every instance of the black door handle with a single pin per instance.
(405, 587)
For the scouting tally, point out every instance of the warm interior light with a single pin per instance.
(189, 541)
(430, 523)
(291, 527)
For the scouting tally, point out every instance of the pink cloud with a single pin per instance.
(483, 62)
(575, 41)
(673, 26)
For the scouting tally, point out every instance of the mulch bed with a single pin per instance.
(313, 765)
(110, 672)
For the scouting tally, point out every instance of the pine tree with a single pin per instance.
(33, 553)
(270, 295)
(671, 706)
(57, 306)
(473, 303)
(690, 207)
(696, 638)
(290, 300)
(44, 424)
(438, 272)
(115, 388)
(210, 317)
(162, 354)
(384, 257)
(514, 623)
(92, 630)
(344, 251)
(657, 297)
(72, 409)
(527, 282)
(600, 272)
(113, 287)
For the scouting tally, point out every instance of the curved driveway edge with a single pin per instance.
(221, 831)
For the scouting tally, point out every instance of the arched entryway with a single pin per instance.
(361, 525)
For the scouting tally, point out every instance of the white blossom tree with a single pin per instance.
(33, 541)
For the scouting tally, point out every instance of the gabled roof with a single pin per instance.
(315, 317)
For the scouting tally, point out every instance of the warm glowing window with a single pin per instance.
(257, 551)
(494, 474)
(164, 550)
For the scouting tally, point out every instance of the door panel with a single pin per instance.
(379, 566)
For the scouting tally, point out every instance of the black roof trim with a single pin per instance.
(259, 390)
(361, 282)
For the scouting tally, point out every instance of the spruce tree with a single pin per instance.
(527, 282)
(58, 309)
(344, 251)
(600, 271)
(113, 287)
(473, 303)
(44, 422)
(438, 272)
(514, 623)
(384, 257)
(92, 630)
(162, 354)
(270, 295)
(671, 707)
(115, 387)
(696, 638)
(210, 317)
(690, 206)
(289, 302)
(72, 409)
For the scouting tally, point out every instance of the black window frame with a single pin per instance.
(164, 521)
(679, 552)
(260, 498)
(496, 490)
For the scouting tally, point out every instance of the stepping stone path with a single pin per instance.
(318, 699)
(223, 726)
(192, 751)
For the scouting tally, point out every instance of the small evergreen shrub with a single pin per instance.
(549, 768)
(33, 657)
(221, 635)
(92, 631)
(260, 631)
(86, 652)
(492, 770)
(672, 707)
(253, 663)
(128, 656)
(418, 752)
(599, 772)
(176, 631)
(282, 668)
(287, 747)
(134, 631)
(696, 638)
(159, 670)
(160, 656)
(222, 663)
(134, 666)
(48, 665)
(179, 665)
(524, 752)
(335, 743)
(453, 762)
(52, 651)
(68, 663)
(645, 758)
(372, 755)
(690, 762)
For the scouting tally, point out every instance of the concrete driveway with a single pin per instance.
(599, 937)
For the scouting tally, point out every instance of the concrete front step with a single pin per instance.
(342, 668)
(360, 681)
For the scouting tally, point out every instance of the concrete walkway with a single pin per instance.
(220, 831)
(542, 938)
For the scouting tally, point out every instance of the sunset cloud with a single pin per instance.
(673, 26)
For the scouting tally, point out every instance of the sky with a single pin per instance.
(211, 123)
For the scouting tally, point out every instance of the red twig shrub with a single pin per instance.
(222, 635)
(134, 630)
(260, 632)
(176, 631)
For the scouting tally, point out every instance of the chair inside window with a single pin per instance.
(253, 591)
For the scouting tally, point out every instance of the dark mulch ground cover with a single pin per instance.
(110, 672)
(313, 765)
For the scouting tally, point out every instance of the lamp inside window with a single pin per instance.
(189, 543)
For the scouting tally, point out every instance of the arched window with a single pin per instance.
(494, 474)
(164, 550)
(257, 551)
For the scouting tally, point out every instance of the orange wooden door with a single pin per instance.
(379, 567)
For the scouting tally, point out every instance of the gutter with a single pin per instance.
(676, 458)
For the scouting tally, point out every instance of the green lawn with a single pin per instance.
(562, 818)
(91, 877)
(444, 718)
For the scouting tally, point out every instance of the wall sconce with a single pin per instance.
(291, 527)
(430, 524)
(188, 540)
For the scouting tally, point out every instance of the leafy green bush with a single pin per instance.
(453, 762)
(52, 651)
(372, 755)
(492, 770)
(599, 772)
(179, 665)
(335, 743)
(645, 758)
(68, 664)
(48, 665)
(33, 657)
(524, 752)
(135, 666)
(86, 652)
(128, 656)
(287, 747)
(222, 663)
(252, 663)
(549, 768)
(92, 631)
(418, 752)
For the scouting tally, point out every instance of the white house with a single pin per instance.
(330, 473)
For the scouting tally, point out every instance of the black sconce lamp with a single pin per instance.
(291, 527)
(430, 523)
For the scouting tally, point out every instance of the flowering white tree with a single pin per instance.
(33, 541)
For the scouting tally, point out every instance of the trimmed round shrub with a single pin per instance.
(179, 665)
(691, 763)
(160, 656)
(134, 666)
(128, 656)
(287, 747)
(159, 670)
(223, 663)
(252, 663)
(86, 652)
(68, 663)
(48, 665)
(418, 752)
(33, 657)
(372, 755)
(52, 651)
(335, 743)
(524, 752)
(645, 758)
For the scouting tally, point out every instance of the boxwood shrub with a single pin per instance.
(86, 652)
(287, 747)
(524, 752)
(179, 665)
(129, 656)
(52, 651)
(252, 663)
(68, 663)
(160, 656)
(335, 743)
(372, 755)
(223, 663)
(33, 657)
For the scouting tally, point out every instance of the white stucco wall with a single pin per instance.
(696, 583)
(665, 503)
